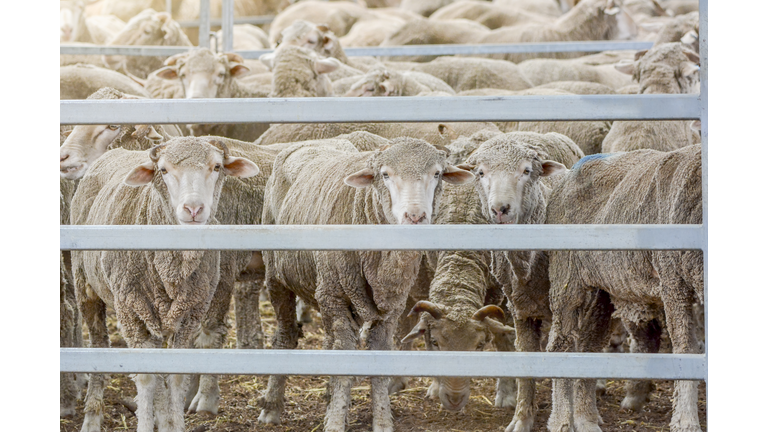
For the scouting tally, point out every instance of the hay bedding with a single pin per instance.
(413, 411)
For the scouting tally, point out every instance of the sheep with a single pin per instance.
(245, 37)
(473, 73)
(551, 8)
(375, 285)
(430, 32)
(127, 9)
(491, 15)
(201, 73)
(147, 28)
(543, 71)
(178, 182)
(666, 68)
(589, 20)
(462, 313)
(371, 32)
(380, 81)
(337, 16)
(75, 26)
(512, 178)
(424, 7)
(644, 288)
(299, 72)
(81, 81)
(682, 28)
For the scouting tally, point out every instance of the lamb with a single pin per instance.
(491, 15)
(430, 32)
(75, 26)
(644, 288)
(589, 20)
(81, 81)
(147, 28)
(510, 174)
(400, 185)
(178, 182)
(201, 73)
(543, 71)
(666, 68)
(380, 81)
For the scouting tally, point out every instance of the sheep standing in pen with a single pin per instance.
(158, 296)
(645, 288)
(589, 20)
(510, 174)
(147, 28)
(664, 69)
(334, 183)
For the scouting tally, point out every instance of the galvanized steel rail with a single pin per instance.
(384, 109)
(382, 237)
(408, 50)
(385, 363)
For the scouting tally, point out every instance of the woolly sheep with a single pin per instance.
(380, 81)
(589, 20)
(431, 32)
(491, 15)
(551, 8)
(510, 174)
(666, 68)
(147, 28)
(682, 28)
(424, 7)
(339, 17)
(587, 287)
(473, 73)
(401, 184)
(75, 26)
(81, 81)
(299, 72)
(153, 188)
(543, 71)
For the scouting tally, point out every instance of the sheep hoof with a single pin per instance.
(204, 403)
(397, 384)
(269, 417)
(601, 387)
(587, 426)
(633, 402)
(67, 410)
(524, 424)
(506, 393)
(92, 423)
(433, 392)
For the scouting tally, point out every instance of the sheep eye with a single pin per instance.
(437, 174)
(385, 175)
(147, 30)
(527, 171)
(480, 173)
(433, 342)
(113, 127)
(217, 168)
(164, 171)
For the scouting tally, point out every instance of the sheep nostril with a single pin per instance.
(63, 158)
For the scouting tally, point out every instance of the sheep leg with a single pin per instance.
(682, 331)
(68, 390)
(247, 315)
(286, 337)
(645, 338)
(404, 326)
(616, 345)
(94, 314)
(169, 402)
(380, 338)
(528, 337)
(506, 388)
(344, 338)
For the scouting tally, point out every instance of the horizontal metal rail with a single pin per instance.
(384, 109)
(382, 237)
(385, 363)
(255, 20)
(409, 50)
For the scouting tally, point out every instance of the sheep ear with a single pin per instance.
(446, 132)
(141, 175)
(168, 72)
(689, 69)
(695, 126)
(323, 27)
(551, 168)
(417, 332)
(640, 54)
(612, 11)
(690, 38)
(360, 179)
(625, 66)
(240, 167)
(268, 60)
(499, 330)
(327, 65)
(457, 176)
(466, 167)
(237, 70)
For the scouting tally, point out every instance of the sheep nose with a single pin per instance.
(454, 399)
(193, 209)
(413, 217)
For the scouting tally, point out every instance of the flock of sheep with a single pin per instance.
(591, 172)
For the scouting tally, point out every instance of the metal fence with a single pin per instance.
(371, 363)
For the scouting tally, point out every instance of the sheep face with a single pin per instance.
(317, 38)
(85, 144)
(507, 179)
(299, 72)
(147, 28)
(376, 82)
(203, 73)
(447, 329)
(408, 179)
(71, 20)
(669, 68)
(189, 173)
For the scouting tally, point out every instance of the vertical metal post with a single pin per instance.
(205, 24)
(169, 6)
(227, 24)
(704, 58)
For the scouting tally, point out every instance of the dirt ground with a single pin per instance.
(413, 411)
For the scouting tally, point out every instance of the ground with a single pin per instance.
(413, 411)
